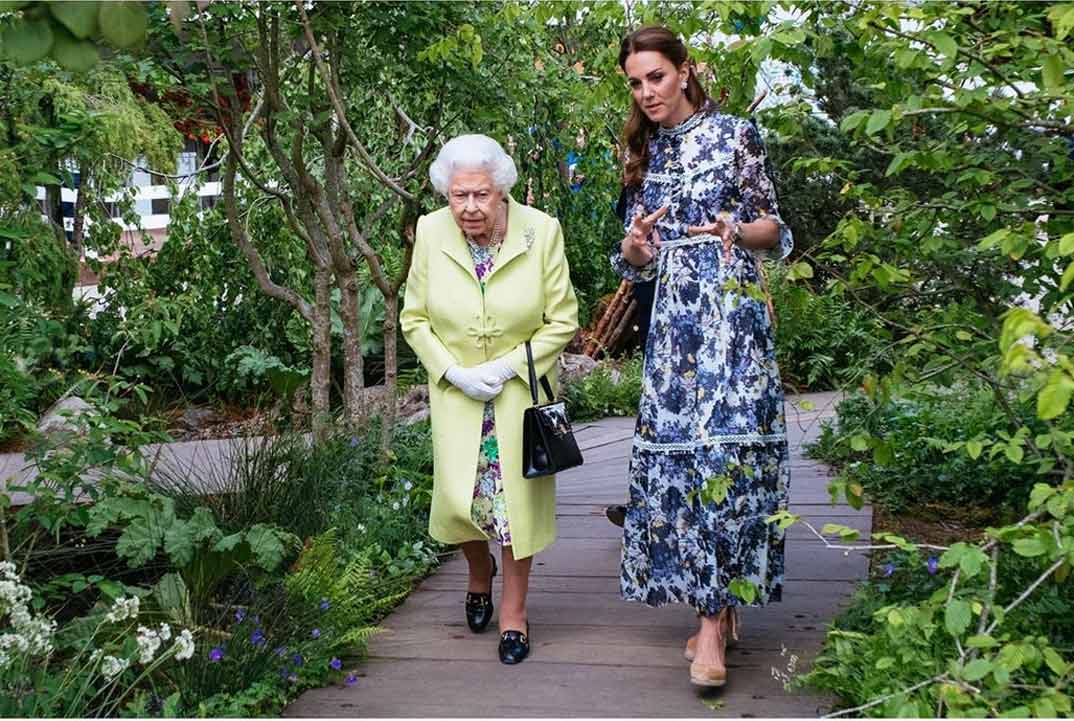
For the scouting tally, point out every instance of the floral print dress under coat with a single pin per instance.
(489, 509)
(709, 462)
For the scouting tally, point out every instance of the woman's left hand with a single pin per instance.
(723, 227)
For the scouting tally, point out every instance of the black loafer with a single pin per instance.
(514, 646)
(479, 605)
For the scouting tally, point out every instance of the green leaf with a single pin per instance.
(1055, 662)
(944, 43)
(957, 617)
(878, 120)
(744, 589)
(982, 641)
(993, 239)
(74, 54)
(1051, 72)
(27, 41)
(1066, 244)
(853, 120)
(266, 546)
(1053, 398)
(977, 669)
(859, 443)
(228, 543)
(80, 18)
(1068, 277)
(1014, 453)
(179, 543)
(123, 22)
(974, 448)
(1062, 19)
(799, 270)
(1029, 547)
(883, 453)
(138, 543)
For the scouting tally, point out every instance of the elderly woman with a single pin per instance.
(488, 275)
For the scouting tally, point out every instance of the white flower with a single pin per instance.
(165, 632)
(123, 609)
(407, 485)
(395, 505)
(112, 666)
(184, 645)
(148, 643)
(361, 528)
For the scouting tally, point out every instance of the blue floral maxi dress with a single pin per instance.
(709, 462)
(489, 508)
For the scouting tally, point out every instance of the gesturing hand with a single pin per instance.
(636, 246)
(723, 227)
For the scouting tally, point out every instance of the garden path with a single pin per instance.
(593, 653)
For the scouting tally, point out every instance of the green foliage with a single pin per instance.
(71, 32)
(936, 445)
(823, 341)
(899, 629)
(607, 391)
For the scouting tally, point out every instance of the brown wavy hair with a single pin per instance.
(639, 128)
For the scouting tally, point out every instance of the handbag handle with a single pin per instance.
(533, 379)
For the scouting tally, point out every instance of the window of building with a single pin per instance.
(161, 206)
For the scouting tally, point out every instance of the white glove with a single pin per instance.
(472, 382)
(496, 371)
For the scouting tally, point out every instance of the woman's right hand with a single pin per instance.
(637, 248)
(474, 382)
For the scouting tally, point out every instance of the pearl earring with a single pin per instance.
(683, 85)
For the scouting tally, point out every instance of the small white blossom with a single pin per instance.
(123, 609)
(112, 666)
(407, 485)
(148, 644)
(165, 632)
(395, 505)
(184, 645)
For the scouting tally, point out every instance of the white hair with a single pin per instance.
(473, 152)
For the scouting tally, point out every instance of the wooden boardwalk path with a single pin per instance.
(593, 653)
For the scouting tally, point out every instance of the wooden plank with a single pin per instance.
(389, 688)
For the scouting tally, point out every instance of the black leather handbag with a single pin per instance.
(548, 444)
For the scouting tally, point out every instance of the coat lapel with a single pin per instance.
(455, 247)
(520, 235)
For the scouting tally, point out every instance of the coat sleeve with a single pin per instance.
(414, 320)
(560, 313)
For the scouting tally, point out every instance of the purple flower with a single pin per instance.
(257, 638)
(216, 654)
(336, 664)
(240, 615)
(933, 565)
(297, 659)
(325, 605)
(889, 569)
(351, 679)
(293, 678)
(354, 441)
(315, 633)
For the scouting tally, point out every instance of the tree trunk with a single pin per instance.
(321, 336)
(391, 372)
(353, 364)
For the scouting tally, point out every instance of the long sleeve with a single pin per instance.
(630, 199)
(757, 192)
(560, 313)
(414, 319)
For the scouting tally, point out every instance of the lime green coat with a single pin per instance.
(447, 321)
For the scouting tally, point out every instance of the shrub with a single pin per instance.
(922, 447)
(607, 391)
